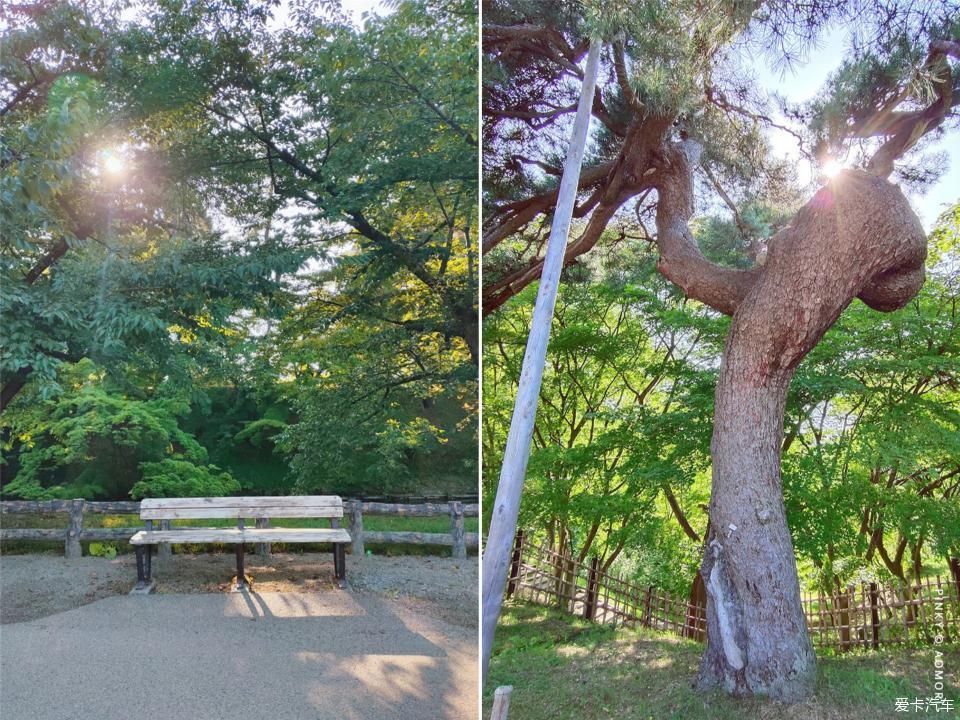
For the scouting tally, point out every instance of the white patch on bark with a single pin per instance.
(730, 648)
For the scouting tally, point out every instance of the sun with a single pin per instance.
(112, 163)
(832, 167)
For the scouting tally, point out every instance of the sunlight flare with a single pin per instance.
(112, 163)
(832, 167)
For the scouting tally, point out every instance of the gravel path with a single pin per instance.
(399, 642)
(34, 586)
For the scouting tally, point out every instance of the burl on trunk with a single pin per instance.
(856, 238)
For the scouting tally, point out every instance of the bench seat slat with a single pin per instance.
(291, 500)
(277, 506)
(236, 535)
(273, 511)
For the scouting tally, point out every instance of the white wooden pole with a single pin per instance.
(501, 703)
(503, 522)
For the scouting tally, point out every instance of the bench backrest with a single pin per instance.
(291, 506)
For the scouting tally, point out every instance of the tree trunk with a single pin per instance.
(857, 237)
(757, 641)
(954, 564)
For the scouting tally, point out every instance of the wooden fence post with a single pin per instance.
(590, 606)
(646, 607)
(501, 702)
(843, 600)
(456, 529)
(515, 564)
(163, 549)
(263, 549)
(356, 527)
(72, 548)
(874, 616)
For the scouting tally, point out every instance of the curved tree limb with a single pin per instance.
(623, 78)
(681, 261)
(498, 293)
(516, 215)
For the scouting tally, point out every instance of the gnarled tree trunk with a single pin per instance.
(857, 237)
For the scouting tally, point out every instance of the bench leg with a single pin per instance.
(141, 577)
(144, 584)
(241, 578)
(149, 563)
(339, 561)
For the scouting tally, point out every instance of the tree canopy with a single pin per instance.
(678, 70)
(261, 213)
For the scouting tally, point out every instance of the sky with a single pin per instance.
(803, 83)
(356, 9)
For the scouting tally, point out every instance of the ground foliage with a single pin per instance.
(550, 658)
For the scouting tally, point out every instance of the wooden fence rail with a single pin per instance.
(865, 616)
(75, 532)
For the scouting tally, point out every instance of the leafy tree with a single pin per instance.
(293, 139)
(622, 408)
(176, 269)
(387, 199)
(98, 260)
(94, 442)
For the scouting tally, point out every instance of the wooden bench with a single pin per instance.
(260, 509)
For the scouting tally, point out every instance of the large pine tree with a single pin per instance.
(675, 106)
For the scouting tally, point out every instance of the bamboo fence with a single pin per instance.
(867, 615)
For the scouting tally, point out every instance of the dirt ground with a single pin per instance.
(36, 586)
(399, 642)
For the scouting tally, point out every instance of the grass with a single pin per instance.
(564, 667)
(370, 522)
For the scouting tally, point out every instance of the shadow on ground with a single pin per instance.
(303, 655)
(33, 586)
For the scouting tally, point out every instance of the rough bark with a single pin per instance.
(954, 564)
(857, 237)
